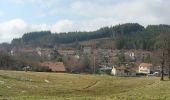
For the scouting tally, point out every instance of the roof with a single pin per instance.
(120, 68)
(54, 66)
(146, 65)
(69, 52)
(105, 68)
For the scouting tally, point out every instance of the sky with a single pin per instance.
(21, 16)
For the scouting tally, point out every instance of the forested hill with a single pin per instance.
(126, 36)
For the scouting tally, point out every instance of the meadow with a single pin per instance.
(18, 85)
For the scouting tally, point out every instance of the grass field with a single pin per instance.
(58, 86)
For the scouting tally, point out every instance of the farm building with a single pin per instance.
(123, 71)
(54, 66)
(118, 71)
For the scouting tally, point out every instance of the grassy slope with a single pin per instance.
(32, 86)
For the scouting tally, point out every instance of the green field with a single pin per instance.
(58, 86)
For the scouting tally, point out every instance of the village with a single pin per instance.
(127, 63)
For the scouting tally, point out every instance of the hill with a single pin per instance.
(124, 36)
(59, 86)
(36, 47)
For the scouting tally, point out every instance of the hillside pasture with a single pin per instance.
(58, 86)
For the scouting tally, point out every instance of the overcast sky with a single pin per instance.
(20, 16)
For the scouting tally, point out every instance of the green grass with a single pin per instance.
(58, 86)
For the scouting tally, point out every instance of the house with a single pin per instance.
(54, 66)
(44, 52)
(130, 55)
(67, 52)
(145, 68)
(38, 49)
(118, 71)
(105, 51)
(12, 52)
(123, 71)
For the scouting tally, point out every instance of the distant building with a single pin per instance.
(12, 53)
(67, 52)
(145, 68)
(44, 52)
(39, 51)
(77, 56)
(118, 71)
(130, 55)
(123, 71)
(104, 69)
(54, 66)
(105, 51)
(87, 50)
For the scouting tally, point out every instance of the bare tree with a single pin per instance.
(162, 65)
(163, 50)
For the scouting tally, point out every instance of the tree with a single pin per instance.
(162, 65)
(121, 57)
(163, 47)
(168, 57)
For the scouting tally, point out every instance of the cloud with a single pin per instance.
(12, 29)
(70, 25)
(141, 11)
(40, 3)
(40, 27)
(62, 26)
(17, 27)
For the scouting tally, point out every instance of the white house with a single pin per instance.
(12, 53)
(130, 55)
(123, 71)
(145, 68)
(38, 49)
(118, 71)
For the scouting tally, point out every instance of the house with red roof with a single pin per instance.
(145, 68)
(54, 66)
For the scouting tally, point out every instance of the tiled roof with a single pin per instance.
(54, 66)
(145, 65)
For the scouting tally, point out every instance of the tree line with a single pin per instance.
(126, 36)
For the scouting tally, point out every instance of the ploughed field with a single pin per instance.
(58, 86)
